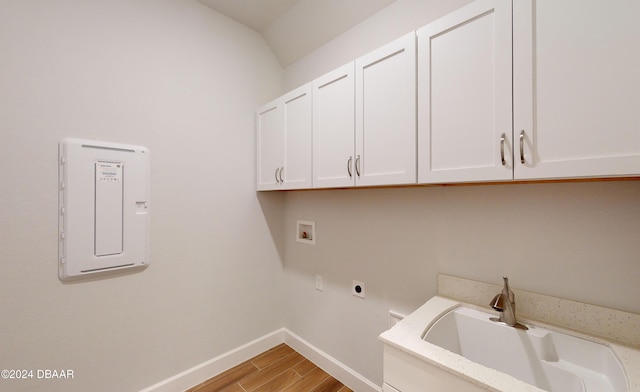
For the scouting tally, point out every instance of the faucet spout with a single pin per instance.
(505, 303)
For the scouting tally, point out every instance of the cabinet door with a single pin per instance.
(334, 128)
(270, 146)
(464, 95)
(576, 82)
(386, 114)
(297, 123)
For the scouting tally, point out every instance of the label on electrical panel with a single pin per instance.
(108, 171)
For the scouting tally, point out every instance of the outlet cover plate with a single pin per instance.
(357, 288)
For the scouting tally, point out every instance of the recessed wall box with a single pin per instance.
(306, 232)
(103, 223)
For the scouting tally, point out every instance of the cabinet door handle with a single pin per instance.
(502, 138)
(276, 175)
(522, 160)
(280, 175)
(349, 166)
(358, 165)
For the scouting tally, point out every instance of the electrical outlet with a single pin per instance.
(319, 282)
(357, 288)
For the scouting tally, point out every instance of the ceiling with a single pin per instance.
(295, 28)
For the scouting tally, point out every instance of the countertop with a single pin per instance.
(407, 336)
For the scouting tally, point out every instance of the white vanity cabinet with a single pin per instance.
(464, 95)
(404, 372)
(364, 129)
(576, 84)
(284, 141)
(388, 388)
(560, 104)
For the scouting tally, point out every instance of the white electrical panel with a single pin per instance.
(103, 208)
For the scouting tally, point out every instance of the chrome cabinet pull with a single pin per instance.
(280, 175)
(349, 166)
(358, 165)
(276, 175)
(502, 138)
(522, 160)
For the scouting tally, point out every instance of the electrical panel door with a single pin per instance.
(103, 208)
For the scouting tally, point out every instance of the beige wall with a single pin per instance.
(396, 20)
(180, 79)
(572, 240)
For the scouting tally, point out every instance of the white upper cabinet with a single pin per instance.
(386, 135)
(284, 141)
(576, 84)
(572, 101)
(364, 120)
(333, 128)
(464, 95)
(297, 113)
(270, 135)
(522, 89)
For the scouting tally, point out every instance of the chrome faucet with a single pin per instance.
(505, 304)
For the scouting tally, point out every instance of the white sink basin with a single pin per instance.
(550, 360)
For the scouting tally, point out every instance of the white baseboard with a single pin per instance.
(226, 361)
(335, 368)
(204, 371)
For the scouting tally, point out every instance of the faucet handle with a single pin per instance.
(497, 303)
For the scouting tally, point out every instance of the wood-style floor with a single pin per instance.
(278, 369)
